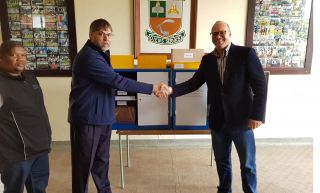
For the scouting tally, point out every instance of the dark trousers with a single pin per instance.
(245, 144)
(34, 174)
(90, 145)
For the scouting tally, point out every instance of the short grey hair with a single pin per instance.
(98, 24)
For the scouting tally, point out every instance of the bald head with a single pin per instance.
(219, 24)
(220, 33)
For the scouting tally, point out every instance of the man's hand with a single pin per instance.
(165, 89)
(162, 90)
(253, 124)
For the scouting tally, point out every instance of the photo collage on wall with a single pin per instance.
(281, 32)
(41, 27)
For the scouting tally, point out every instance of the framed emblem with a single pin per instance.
(160, 25)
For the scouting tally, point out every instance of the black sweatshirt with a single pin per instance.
(24, 125)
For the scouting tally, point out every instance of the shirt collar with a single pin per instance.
(20, 77)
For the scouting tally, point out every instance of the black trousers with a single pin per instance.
(33, 174)
(90, 145)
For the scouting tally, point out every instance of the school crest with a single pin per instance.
(165, 22)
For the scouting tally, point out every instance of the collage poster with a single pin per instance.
(42, 28)
(281, 32)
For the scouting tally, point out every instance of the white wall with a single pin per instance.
(312, 110)
(233, 12)
(118, 14)
(56, 95)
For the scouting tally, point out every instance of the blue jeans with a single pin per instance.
(34, 174)
(245, 144)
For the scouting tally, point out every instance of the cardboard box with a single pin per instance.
(186, 58)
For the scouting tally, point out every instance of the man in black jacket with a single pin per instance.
(25, 133)
(236, 82)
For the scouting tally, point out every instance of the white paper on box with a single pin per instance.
(120, 92)
(125, 98)
(121, 103)
(178, 66)
(188, 55)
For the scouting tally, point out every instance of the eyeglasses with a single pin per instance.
(218, 33)
(108, 35)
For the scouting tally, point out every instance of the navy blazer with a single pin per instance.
(92, 97)
(243, 94)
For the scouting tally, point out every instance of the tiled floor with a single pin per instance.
(175, 166)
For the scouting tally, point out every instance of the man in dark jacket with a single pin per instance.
(92, 108)
(25, 133)
(238, 94)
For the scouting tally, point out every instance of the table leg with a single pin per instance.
(121, 163)
(211, 150)
(128, 152)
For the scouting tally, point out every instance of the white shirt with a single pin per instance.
(222, 61)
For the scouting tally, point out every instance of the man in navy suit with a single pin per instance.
(238, 94)
(92, 108)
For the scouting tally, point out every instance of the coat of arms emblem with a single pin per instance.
(165, 22)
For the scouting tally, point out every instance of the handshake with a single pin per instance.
(161, 90)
